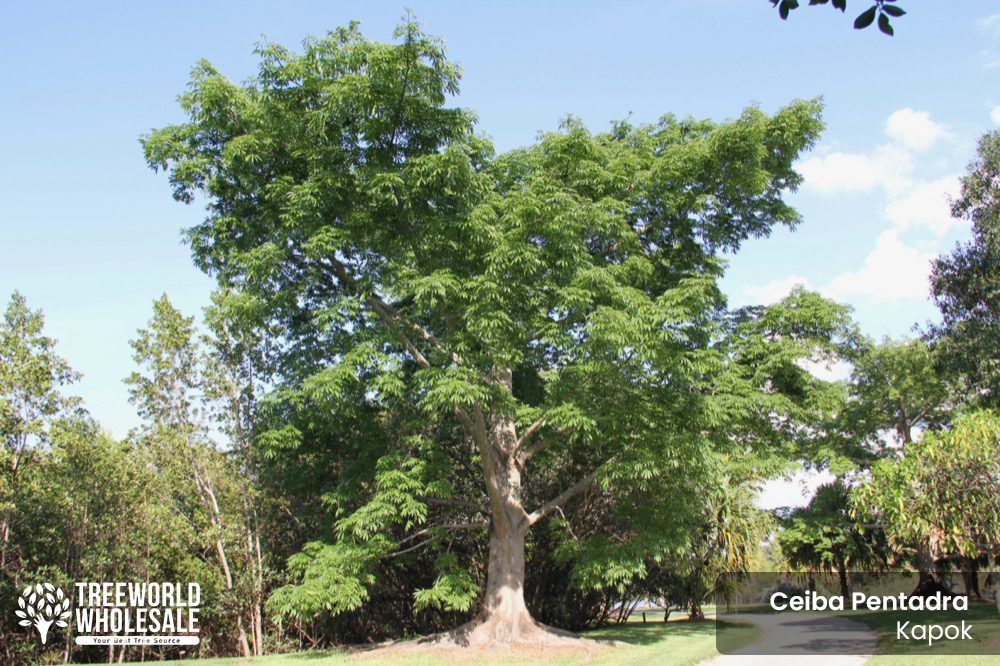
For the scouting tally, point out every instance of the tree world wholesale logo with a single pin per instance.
(116, 613)
(43, 606)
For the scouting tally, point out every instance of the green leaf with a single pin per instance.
(883, 24)
(866, 18)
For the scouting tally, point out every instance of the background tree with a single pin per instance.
(823, 537)
(553, 312)
(78, 505)
(724, 543)
(200, 482)
(965, 285)
(32, 406)
(31, 375)
(98, 516)
(894, 393)
(941, 493)
(895, 390)
(234, 364)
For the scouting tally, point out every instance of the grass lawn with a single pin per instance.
(675, 643)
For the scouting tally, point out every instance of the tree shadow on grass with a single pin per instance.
(652, 633)
(309, 655)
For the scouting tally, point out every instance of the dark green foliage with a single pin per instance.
(894, 393)
(882, 9)
(824, 537)
(966, 284)
(962, 514)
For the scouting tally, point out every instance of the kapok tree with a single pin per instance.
(552, 313)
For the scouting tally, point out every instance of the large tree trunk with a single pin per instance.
(503, 619)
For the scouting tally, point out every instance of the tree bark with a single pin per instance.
(925, 562)
(845, 590)
(503, 618)
(970, 576)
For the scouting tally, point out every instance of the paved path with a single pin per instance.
(802, 640)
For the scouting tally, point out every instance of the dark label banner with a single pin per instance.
(859, 614)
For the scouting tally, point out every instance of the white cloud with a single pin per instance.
(774, 291)
(990, 59)
(995, 115)
(912, 205)
(887, 166)
(989, 24)
(925, 206)
(914, 129)
(892, 272)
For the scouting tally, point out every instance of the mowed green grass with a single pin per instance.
(676, 643)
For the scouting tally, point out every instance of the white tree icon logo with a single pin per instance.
(43, 605)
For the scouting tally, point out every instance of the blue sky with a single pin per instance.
(92, 237)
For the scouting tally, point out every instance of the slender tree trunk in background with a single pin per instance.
(208, 497)
(17, 448)
(257, 574)
(993, 578)
(925, 565)
(845, 589)
(5, 532)
(970, 578)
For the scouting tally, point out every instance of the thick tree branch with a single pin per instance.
(567, 494)
(391, 318)
(466, 421)
(480, 424)
(537, 447)
(383, 310)
(456, 526)
(424, 334)
(527, 435)
(420, 359)
(387, 312)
